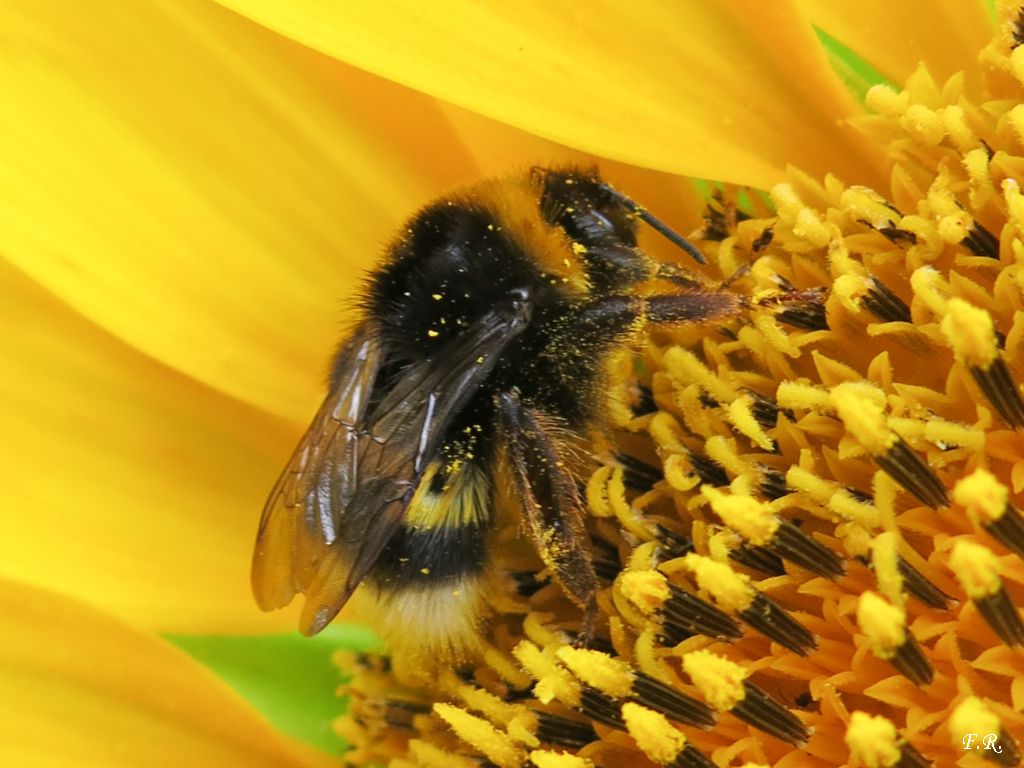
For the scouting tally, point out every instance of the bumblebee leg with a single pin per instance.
(548, 494)
(697, 306)
(610, 315)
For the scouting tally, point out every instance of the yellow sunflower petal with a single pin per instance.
(715, 90)
(127, 485)
(894, 37)
(79, 688)
(202, 187)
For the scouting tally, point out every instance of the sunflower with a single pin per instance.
(825, 561)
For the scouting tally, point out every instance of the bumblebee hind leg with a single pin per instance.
(552, 508)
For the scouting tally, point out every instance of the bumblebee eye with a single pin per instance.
(591, 226)
(589, 214)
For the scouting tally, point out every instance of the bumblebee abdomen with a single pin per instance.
(443, 536)
(429, 577)
(431, 556)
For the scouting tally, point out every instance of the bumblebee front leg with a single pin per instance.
(552, 507)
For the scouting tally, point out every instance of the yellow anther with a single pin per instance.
(720, 680)
(685, 368)
(811, 227)
(723, 451)
(666, 433)
(1016, 120)
(802, 480)
(883, 623)
(799, 396)
(923, 125)
(493, 708)
(721, 544)
(429, 756)
(839, 260)
(547, 758)
(553, 681)
(940, 198)
(647, 590)
(885, 101)
(873, 741)
(955, 124)
(976, 568)
(979, 175)
(730, 590)
(928, 242)
(850, 289)
(1017, 61)
(482, 736)
(1014, 202)
(744, 514)
(983, 497)
(864, 417)
(970, 333)
(679, 473)
(597, 492)
(655, 735)
(598, 670)
(972, 715)
(786, 202)
(864, 204)
(946, 433)
(774, 334)
(536, 629)
(856, 539)
(955, 227)
(850, 508)
(930, 288)
(741, 416)
(885, 559)
(523, 728)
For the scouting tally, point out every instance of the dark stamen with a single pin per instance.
(1001, 614)
(600, 707)
(981, 242)
(791, 543)
(708, 470)
(910, 470)
(563, 732)
(758, 558)
(638, 474)
(671, 703)
(691, 757)
(764, 713)
(884, 304)
(773, 484)
(920, 587)
(697, 617)
(1008, 530)
(997, 383)
(763, 240)
(771, 620)
(910, 661)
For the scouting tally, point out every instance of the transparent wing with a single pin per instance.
(303, 512)
(345, 491)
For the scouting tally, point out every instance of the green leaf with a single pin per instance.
(289, 678)
(857, 75)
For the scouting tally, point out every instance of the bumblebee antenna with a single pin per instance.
(655, 223)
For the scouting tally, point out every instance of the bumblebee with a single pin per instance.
(479, 363)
